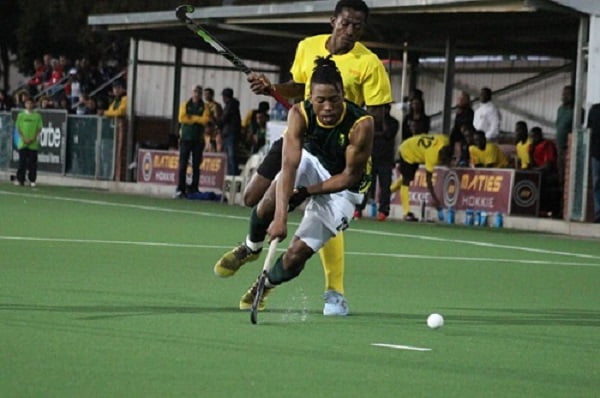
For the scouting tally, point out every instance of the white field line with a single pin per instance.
(358, 230)
(352, 253)
(400, 347)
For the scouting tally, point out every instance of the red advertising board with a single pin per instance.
(160, 167)
(494, 190)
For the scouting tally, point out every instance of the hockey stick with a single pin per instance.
(181, 12)
(260, 288)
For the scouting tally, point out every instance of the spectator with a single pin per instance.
(594, 124)
(6, 103)
(383, 163)
(250, 117)
(543, 159)
(416, 114)
(56, 75)
(486, 154)
(257, 132)
(463, 117)
(91, 106)
(487, 117)
(29, 127)
(73, 87)
(464, 159)
(213, 141)
(522, 144)
(118, 107)
(564, 125)
(193, 116)
(35, 83)
(45, 102)
(231, 126)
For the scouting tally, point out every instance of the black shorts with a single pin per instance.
(408, 170)
(271, 164)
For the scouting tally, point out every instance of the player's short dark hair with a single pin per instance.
(326, 72)
(210, 90)
(356, 5)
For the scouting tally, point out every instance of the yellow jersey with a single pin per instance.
(523, 153)
(366, 81)
(491, 156)
(423, 149)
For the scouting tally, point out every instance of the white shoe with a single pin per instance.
(32, 184)
(16, 182)
(335, 304)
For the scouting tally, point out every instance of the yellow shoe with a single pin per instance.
(248, 297)
(396, 185)
(234, 259)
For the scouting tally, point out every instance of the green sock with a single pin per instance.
(277, 274)
(258, 227)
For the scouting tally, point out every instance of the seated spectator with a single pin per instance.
(486, 154)
(522, 145)
(250, 117)
(45, 102)
(257, 132)
(118, 107)
(6, 103)
(544, 159)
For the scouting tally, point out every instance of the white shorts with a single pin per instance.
(324, 215)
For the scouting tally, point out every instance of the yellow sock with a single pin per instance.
(405, 198)
(396, 184)
(332, 257)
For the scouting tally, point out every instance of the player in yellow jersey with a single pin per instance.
(522, 145)
(427, 149)
(486, 154)
(365, 83)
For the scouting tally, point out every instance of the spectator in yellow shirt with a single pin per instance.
(522, 145)
(486, 154)
(118, 107)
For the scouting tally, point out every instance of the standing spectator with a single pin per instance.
(523, 143)
(463, 117)
(417, 115)
(594, 124)
(29, 127)
(543, 159)
(213, 141)
(487, 117)
(231, 126)
(383, 163)
(250, 117)
(564, 125)
(486, 154)
(6, 103)
(118, 107)
(193, 116)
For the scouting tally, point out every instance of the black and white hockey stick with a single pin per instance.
(181, 13)
(260, 288)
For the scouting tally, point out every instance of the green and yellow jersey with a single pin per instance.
(328, 143)
(366, 81)
(423, 149)
(523, 153)
(491, 156)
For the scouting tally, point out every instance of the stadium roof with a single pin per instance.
(270, 32)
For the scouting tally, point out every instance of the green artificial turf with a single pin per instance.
(114, 295)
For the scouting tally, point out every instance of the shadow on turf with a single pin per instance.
(116, 311)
